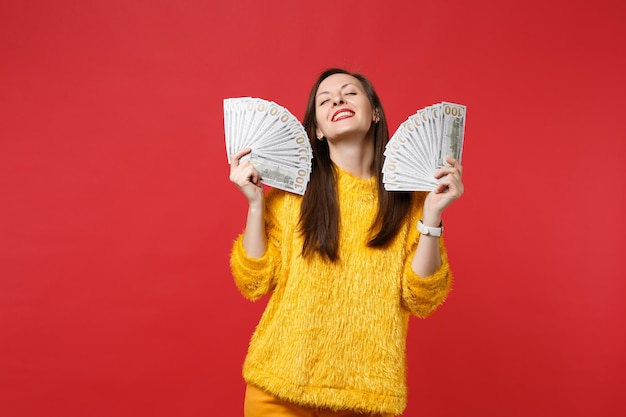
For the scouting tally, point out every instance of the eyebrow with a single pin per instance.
(342, 87)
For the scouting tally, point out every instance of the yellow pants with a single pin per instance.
(258, 403)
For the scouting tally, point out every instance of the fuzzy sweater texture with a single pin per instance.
(333, 335)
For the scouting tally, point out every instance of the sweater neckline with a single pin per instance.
(353, 184)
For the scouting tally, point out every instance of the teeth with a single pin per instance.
(342, 114)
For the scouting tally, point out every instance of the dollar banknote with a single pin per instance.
(420, 145)
(452, 132)
(281, 151)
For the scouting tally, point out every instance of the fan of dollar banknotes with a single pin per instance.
(419, 147)
(281, 151)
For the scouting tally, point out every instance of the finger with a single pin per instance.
(255, 177)
(242, 174)
(456, 171)
(454, 163)
(443, 171)
(441, 188)
(250, 176)
(450, 180)
(234, 160)
(453, 185)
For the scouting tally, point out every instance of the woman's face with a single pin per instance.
(342, 108)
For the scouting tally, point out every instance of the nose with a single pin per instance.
(338, 99)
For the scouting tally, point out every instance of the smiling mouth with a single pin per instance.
(342, 115)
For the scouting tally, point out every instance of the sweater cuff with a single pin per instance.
(245, 264)
(253, 276)
(422, 295)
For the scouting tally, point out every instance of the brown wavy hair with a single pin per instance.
(319, 212)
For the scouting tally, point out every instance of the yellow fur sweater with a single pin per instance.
(334, 334)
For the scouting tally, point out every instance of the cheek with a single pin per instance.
(319, 121)
(318, 128)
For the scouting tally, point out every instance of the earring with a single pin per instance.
(321, 138)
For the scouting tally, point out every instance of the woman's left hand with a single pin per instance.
(450, 188)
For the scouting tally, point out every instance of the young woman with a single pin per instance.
(345, 264)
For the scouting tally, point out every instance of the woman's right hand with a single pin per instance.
(246, 177)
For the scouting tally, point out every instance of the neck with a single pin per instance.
(354, 156)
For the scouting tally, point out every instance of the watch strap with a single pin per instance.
(430, 231)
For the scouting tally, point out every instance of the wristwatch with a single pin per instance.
(430, 231)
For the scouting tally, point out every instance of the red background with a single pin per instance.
(117, 217)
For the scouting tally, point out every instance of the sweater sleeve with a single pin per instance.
(422, 295)
(256, 277)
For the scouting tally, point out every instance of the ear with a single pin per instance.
(319, 134)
